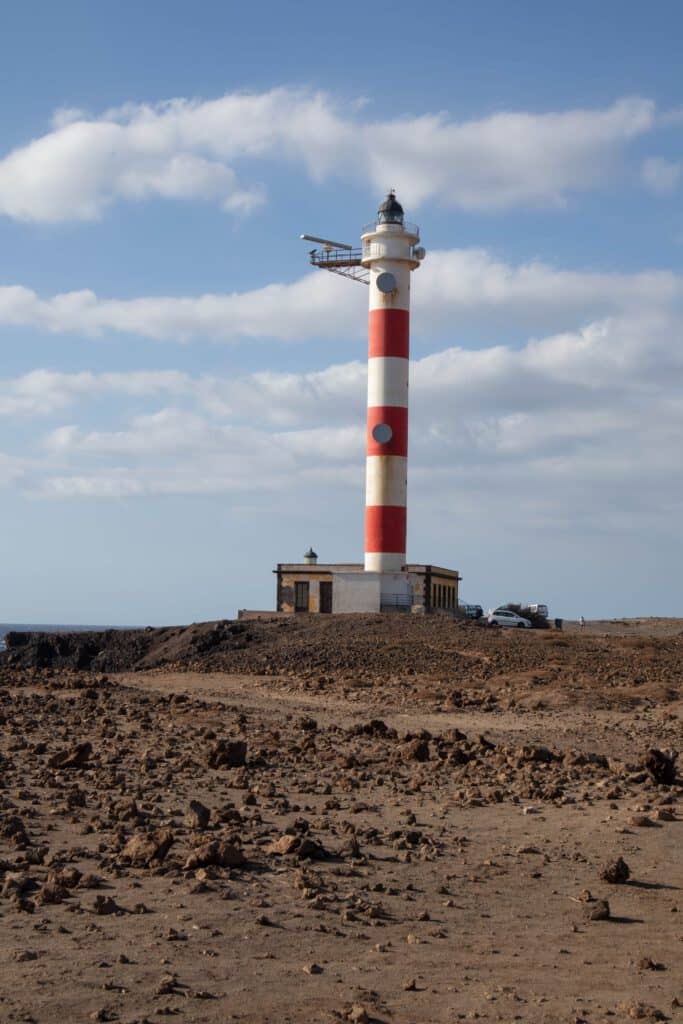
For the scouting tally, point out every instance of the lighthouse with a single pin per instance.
(384, 581)
(390, 252)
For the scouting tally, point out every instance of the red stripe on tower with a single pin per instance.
(388, 332)
(385, 528)
(391, 441)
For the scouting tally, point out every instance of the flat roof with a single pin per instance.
(329, 567)
(321, 566)
(434, 569)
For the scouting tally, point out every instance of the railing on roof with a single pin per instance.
(375, 249)
(346, 262)
(411, 229)
(336, 257)
(396, 603)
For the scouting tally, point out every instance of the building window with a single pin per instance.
(301, 597)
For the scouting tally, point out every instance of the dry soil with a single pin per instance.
(388, 818)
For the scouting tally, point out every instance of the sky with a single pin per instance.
(182, 396)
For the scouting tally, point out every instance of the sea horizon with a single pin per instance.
(52, 627)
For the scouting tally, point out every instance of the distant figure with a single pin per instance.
(582, 621)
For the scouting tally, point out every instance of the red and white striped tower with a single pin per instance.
(390, 252)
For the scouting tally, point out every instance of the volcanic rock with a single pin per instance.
(66, 877)
(51, 892)
(304, 848)
(16, 883)
(616, 872)
(597, 911)
(310, 850)
(75, 757)
(218, 853)
(198, 815)
(142, 849)
(228, 754)
(284, 845)
(661, 766)
(417, 750)
(648, 964)
(105, 905)
(13, 829)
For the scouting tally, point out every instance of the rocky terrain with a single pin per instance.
(388, 819)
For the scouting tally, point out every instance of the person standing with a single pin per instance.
(582, 621)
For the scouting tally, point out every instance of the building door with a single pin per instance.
(326, 596)
(301, 597)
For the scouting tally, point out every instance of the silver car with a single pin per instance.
(504, 617)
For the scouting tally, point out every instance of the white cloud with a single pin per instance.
(188, 149)
(452, 287)
(285, 311)
(507, 159)
(662, 176)
(473, 283)
(114, 483)
(44, 392)
(576, 424)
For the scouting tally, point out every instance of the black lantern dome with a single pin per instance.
(391, 211)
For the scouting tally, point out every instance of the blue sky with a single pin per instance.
(182, 397)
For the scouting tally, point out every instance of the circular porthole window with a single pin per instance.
(386, 282)
(382, 433)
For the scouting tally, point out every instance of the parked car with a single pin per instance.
(504, 617)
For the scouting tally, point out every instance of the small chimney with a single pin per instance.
(310, 558)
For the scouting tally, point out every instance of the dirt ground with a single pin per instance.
(651, 627)
(384, 820)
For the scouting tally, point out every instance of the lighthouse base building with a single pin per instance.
(313, 587)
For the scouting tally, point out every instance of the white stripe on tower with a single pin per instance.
(388, 252)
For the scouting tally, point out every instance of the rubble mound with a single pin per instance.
(363, 649)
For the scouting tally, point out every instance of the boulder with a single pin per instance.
(661, 766)
(218, 853)
(616, 872)
(142, 849)
(198, 815)
(75, 757)
(417, 750)
(284, 845)
(304, 848)
(228, 754)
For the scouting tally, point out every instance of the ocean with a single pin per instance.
(37, 627)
